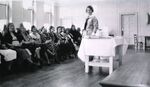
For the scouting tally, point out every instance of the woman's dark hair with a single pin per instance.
(73, 26)
(59, 27)
(8, 25)
(32, 27)
(67, 30)
(51, 27)
(6, 32)
(90, 7)
(63, 29)
(21, 25)
(21, 28)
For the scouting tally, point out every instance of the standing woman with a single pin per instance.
(91, 23)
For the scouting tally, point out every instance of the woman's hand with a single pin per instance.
(93, 33)
(47, 41)
(4, 46)
(18, 45)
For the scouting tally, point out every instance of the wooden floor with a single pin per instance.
(68, 74)
(134, 73)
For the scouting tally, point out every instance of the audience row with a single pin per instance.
(21, 49)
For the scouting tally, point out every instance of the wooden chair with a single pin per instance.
(147, 43)
(135, 42)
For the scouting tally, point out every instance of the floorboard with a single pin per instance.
(71, 74)
(135, 72)
(67, 74)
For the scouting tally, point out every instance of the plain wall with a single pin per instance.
(108, 13)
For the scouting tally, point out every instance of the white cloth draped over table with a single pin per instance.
(8, 54)
(104, 46)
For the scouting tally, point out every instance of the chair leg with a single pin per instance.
(100, 69)
(86, 68)
(9, 65)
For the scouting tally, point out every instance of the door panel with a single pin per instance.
(133, 27)
(129, 27)
(125, 27)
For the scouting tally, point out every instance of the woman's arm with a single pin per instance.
(95, 24)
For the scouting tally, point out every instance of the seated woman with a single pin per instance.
(52, 34)
(35, 35)
(76, 35)
(65, 43)
(60, 44)
(71, 45)
(12, 42)
(27, 42)
(49, 47)
(24, 35)
(37, 43)
(8, 55)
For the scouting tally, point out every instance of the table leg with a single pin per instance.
(110, 65)
(87, 64)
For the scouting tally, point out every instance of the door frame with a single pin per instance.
(120, 21)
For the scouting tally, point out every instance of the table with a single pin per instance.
(9, 54)
(101, 47)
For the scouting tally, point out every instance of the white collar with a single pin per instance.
(91, 16)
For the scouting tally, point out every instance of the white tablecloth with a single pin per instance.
(100, 47)
(8, 54)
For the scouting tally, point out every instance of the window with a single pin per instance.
(48, 9)
(27, 25)
(3, 16)
(27, 4)
(46, 25)
(29, 8)
(2, 23)
(67, 22)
